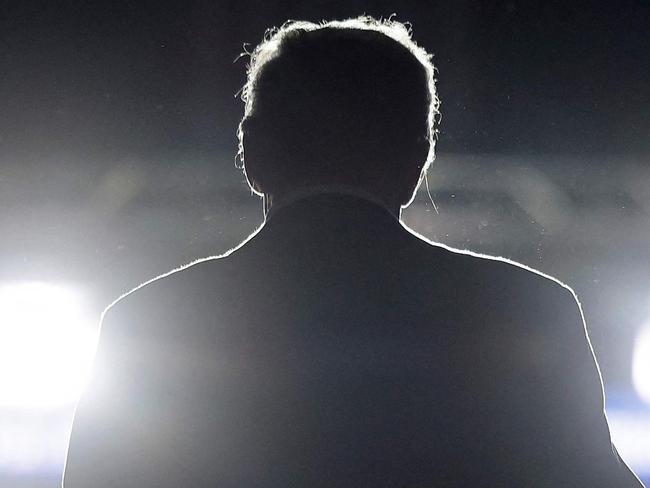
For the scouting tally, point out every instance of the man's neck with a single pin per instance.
(272, 203)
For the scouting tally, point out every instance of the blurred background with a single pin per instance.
(117, 163)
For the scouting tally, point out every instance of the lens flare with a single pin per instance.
(641, 364)
(46, 345)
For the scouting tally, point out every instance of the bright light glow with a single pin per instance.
(46, 345)
(641, 364)
(630, 430)
(33, 442)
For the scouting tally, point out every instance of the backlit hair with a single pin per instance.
(271, 47)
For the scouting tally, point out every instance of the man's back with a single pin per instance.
(337, 349)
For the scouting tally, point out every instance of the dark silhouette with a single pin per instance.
(336, 348)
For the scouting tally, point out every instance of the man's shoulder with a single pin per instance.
(478, 263)
(166, 295)
(501, 280)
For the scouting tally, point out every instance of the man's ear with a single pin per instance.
(252, 153)
(412, 176)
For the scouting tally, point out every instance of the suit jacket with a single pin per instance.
(335, 348)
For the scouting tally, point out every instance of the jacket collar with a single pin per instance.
(328, 195)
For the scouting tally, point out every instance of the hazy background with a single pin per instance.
(117, 162)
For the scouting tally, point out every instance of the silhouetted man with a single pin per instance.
(335, 348)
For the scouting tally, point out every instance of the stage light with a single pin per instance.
(46, 345)
(641, 364)
(630, 430)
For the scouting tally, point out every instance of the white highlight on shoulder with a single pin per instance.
(179, 269)
(488, 257)
(526, 268)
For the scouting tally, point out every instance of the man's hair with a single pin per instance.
(335, 100)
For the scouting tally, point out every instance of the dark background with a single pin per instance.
(118, 143)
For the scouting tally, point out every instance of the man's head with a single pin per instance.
(350, 103)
